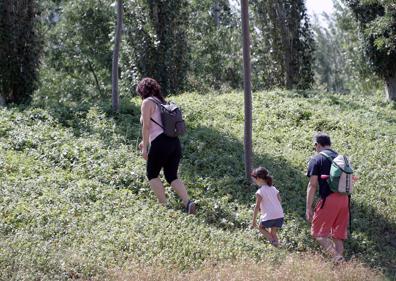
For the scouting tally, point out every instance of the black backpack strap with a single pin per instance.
(323, 202)
(158, 104)
(157, 123)
(350, 214)
(331, 160)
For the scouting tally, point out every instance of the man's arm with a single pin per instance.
(311, 190)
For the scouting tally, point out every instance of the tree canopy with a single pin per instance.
(377, 22)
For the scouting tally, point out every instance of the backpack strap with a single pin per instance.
(158, 104)
(157, 123)
(350, 214)
(327, 156)
(155, 100)
(331, 161)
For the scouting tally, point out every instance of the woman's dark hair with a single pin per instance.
(148, 87)
(263, 174)
(323, 139)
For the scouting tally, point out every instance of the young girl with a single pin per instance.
(269, 203)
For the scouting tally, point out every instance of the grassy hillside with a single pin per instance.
(75, 202)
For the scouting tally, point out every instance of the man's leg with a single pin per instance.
(328, 245)
(339, 246)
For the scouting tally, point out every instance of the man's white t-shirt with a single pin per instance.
(270, 206)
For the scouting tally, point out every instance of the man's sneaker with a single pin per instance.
(191, 208)
(338, 260)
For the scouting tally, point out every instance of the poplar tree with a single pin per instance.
(20, 49)
(284, 43)
(156, 39)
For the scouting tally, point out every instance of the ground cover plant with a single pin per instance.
(75, 203)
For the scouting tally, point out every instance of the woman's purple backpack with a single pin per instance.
(172, 119)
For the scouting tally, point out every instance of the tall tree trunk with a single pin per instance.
(287, 42)
(247, 87)
(390, 88)
(2, 101)
(116, 52)
(216, 9)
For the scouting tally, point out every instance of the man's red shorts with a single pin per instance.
(331, 220)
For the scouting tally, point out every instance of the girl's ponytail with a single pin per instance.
(263, 174)
(268, 179)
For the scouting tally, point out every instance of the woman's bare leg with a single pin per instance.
(158, 189)
(179, 187)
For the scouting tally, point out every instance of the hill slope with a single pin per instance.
(75, 202)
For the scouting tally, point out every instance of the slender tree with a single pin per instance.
(247, 87)
(116, 51)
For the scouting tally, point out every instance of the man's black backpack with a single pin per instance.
(171, 117)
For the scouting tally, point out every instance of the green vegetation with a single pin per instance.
(75, 202)
(377, 20)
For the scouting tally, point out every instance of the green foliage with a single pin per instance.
(75, 201)
(216, 58)
(340, 65)
(79, 44)
(20, 49)
(156, 35)
(282, 45)
(377, 21)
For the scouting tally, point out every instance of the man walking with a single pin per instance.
(329, 219)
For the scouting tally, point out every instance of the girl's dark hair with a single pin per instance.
(263, 174)
(148, 87)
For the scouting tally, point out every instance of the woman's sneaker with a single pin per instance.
(191, 208)
(274, 243)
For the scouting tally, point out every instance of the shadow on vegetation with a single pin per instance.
(215, 159)
(380, 250)
(216, 163)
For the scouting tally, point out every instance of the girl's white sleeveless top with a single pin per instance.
(270, 206)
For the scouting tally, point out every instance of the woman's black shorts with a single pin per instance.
(165, 152)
